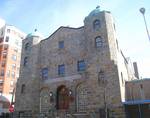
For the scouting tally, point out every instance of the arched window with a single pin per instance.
(26, 46)
(101, 78)
(23, 88)
(101, 75)
(98, 42)
(96, 24)
(25, 61)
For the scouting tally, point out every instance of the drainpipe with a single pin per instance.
(139, 108)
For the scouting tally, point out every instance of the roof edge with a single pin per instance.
(59, 29)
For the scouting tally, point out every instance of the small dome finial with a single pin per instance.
(97, 7)
(35, 30)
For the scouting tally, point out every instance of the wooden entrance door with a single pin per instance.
(62, 98)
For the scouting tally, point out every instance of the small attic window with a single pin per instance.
(61, 44)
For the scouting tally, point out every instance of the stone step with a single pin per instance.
(77, 115)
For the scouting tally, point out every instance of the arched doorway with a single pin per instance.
(62, 98)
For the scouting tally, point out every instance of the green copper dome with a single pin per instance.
(34, 34)
(95, 11)
(29, 35)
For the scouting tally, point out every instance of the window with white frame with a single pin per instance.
(8, 73)
(14, 57)
(13, 74)
(13, 66)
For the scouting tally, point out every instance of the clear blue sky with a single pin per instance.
(48, 15)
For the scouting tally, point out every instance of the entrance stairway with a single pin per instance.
(64, 114)
(77, 115)
(81, 115)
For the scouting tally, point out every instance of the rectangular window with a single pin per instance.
(11, 93)
(13, 74)
(7, 39)
(23, 89)
(8, 30)
(1, 81)
(98, 41)
(61, 69)
(45, 73)
(5, 47)
(1, 40)
(61, 44)
(8, 73)
(4, 54)
(2, 32)
(2, 73)
(17, 43)
(13, 66)
(81, 65)
(3, 63)
(18, 68)
(14, 57)
(16, 50)
(11, 83)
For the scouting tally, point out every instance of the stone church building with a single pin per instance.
(75, 72)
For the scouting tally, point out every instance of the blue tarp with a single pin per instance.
(132, 102)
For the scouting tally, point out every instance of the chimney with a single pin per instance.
(136, 73)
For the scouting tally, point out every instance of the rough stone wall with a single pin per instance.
(73, 51)
(29, 76)
(87, 87)
(111, 35)
(80, 44)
